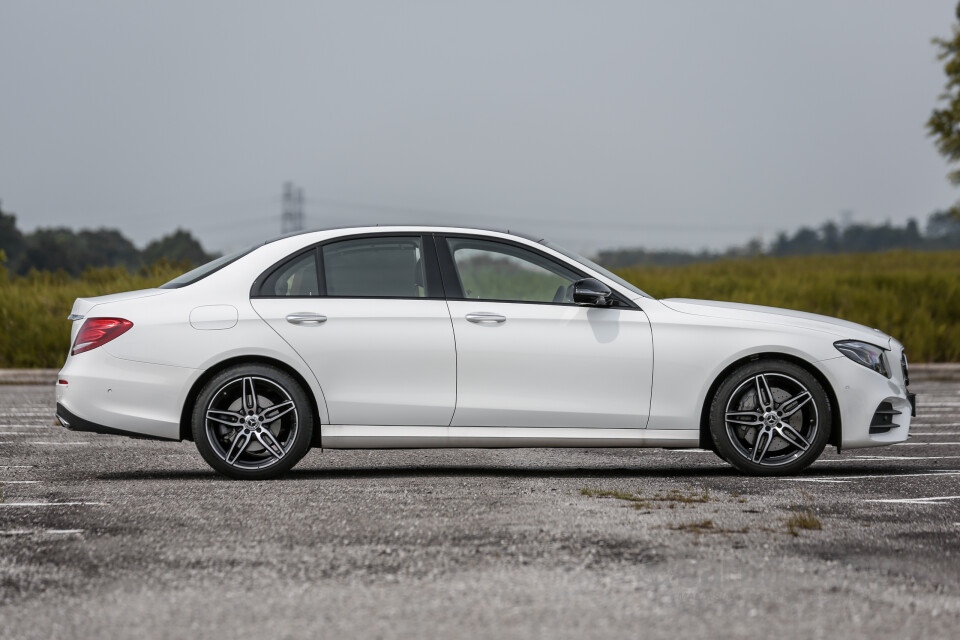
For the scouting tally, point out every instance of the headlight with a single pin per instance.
(870, 356)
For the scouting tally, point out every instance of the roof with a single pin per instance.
(525, 236)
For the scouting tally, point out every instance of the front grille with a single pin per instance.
(904, 368)
(883, 418)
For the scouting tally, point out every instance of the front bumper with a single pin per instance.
(860, 393)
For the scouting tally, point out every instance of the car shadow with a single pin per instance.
(462, 471)
(433, 471)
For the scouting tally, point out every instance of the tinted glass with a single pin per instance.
(374, 268)
(494, 271)
(296, 278)
(202, 272)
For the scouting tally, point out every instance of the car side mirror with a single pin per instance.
(591, 291)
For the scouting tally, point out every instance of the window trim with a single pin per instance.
(454, 289)
(433, 285)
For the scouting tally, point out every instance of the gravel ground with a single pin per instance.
(102, 536)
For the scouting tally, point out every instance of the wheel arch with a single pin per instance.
(186, 430)
(836, 428)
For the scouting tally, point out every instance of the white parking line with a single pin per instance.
(833, 479)
(925, 444)
(27, 412)
(26, 532)
(56, 443)
(25, 426)
(935, 433)
(62, 531)
(906, 457)
(50, 504)
(879, 458)
(16, 466)
(19, 482)
(932, 500)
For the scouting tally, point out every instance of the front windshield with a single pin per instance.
(203, 271)
(594, 266)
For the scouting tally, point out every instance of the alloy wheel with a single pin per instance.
(251, 422)
(771, 419)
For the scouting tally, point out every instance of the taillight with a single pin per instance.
(97, 332)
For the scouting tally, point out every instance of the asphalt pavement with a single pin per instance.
(106, 537)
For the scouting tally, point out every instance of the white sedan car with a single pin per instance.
(415, 337)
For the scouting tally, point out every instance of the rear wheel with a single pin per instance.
(770, 417)
(252, 422)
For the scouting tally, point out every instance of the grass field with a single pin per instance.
(914, 296)
(34, 331)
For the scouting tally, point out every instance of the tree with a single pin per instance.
(53, 249)
(179, 246)
(50, 249)
(11, 240)
(804, 242)
(944, 123)
(943, 231)
(108, 248)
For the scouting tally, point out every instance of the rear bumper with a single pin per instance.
(106, 394)
(75, 423)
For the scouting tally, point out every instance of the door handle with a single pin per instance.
(478, 318)
(306, 318)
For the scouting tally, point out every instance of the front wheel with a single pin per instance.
(252, 422)
(770, 417)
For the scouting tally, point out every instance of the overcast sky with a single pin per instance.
(662, 124)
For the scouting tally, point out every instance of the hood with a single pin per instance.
(756, 313)
(82, 306)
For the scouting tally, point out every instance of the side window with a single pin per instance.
(495, 271)
(374, 268)
(296, 278)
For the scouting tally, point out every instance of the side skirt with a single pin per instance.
(344, 436)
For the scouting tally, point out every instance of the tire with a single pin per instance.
(252, 422)
(770, 417)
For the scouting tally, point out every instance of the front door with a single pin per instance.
(527, 356)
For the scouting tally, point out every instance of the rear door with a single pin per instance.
(367, 315)
(527, 356)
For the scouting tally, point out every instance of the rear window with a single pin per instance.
(202, 272)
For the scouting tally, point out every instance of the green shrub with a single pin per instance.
(34, 331)
(912, 295)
